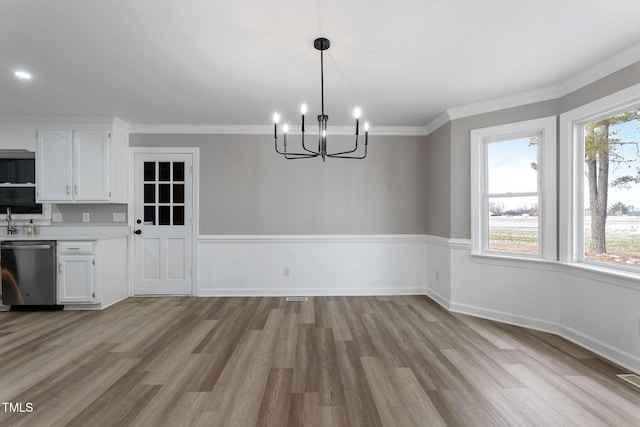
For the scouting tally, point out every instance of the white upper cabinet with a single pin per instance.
(80, 165)
(54, 155)
(91, 159)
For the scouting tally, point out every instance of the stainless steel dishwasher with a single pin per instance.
(28, 272)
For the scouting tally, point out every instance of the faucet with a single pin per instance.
(11, 229)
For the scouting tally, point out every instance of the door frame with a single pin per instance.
(195, 189)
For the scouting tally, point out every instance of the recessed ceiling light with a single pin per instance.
(22, 75)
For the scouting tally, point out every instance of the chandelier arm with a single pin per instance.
(346, 152)
(315, 153)
(288, 154)
(276, 145)
(341, 156)
(336, 156)
(300, 156)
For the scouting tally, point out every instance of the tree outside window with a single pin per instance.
(611, 193)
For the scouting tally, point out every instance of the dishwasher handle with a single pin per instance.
(26, 246)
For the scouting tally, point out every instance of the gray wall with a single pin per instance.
(460, 138)
(615, 82)
(437, 163)
(246, 188)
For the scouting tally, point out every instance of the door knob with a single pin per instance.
(138, 231)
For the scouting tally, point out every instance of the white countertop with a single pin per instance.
(70, 233)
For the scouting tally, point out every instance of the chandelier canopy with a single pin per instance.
(320, 44)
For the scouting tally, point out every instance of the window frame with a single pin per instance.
(43, 218)
(572, 179)
(545, 128)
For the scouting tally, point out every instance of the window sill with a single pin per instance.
(624, 278)
(514, 261)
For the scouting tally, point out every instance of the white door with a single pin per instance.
(163, 224)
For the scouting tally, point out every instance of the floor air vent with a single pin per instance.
(630, 378)
(292, 299)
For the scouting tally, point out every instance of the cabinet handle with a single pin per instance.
(68, 189)
(60, 267)
(76, 189)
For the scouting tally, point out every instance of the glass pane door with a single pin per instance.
(163, 202)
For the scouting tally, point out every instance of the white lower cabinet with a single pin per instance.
(92, 274)
(76, 272)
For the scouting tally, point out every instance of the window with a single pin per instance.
(18, 188)
(513, 189)
(602, 217)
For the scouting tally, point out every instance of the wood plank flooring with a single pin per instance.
(330, 361)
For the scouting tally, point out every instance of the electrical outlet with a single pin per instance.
(85, 216)
(286, 272)
(437, 276)
(56, 217)
(119, 217)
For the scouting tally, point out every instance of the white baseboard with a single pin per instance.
(615, 355)
(90, 307)
(504, 317)
(259, 292)
(437, 298)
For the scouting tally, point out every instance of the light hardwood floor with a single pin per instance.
(331, 361)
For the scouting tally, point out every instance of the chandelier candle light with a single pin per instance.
(320, 44)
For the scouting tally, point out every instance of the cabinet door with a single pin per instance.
(76, 283)
(91, 150)
(53, 165)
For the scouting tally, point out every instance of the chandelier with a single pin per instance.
(320, 44)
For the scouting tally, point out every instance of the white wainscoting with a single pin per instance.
(317, 265)
(591, 309)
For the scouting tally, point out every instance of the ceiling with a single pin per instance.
(203, 62)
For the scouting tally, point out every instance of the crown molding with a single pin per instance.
(132, 128)
(603, 69)
(121, 123)
(58, 122)
(200, 129)
(591, 75)
(266, 130)
(438, 121)
(393, 130)
(504, 102)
